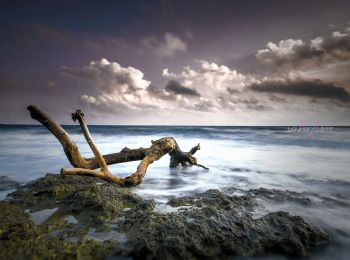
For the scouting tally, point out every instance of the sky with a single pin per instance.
(178, 62)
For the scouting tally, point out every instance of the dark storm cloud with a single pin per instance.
(300, 87)
(297, 54)
(175, 87)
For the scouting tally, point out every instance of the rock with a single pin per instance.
(280, 196)
(99, 203)
(21, 239)
(89, 215)
(218, 226)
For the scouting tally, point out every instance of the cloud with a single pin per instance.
(204, 106)
(111, 88)
(232, 91)
(221, 88)
(254, 103)
(210, 78)
(300, 87)
(175, 87)
(290, 55)
(112, 85)
(109, 77)
(168, 47)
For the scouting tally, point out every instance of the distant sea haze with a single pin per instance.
(308, 161)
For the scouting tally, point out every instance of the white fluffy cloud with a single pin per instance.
(114, 85)
(284, 48)
(207, 88)
(168, 47)
(210, 77)
(115, 88)
(290, 56)
(221, 88)
(212, 87)
(109, 76)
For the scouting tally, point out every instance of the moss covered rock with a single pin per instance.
(21, 239)
(81, 218)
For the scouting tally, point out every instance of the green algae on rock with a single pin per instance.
(94, 219)
(21, 239)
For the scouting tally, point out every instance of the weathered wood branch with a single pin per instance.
(71, 149)
(158, 149)
(83, 166)
(186, 159)
(78, 115)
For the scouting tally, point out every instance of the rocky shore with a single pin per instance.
(60, 217)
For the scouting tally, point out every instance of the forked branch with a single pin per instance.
(156, 151)
(71, 150)
(83, 166)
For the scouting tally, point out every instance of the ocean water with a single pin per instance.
(315, 164)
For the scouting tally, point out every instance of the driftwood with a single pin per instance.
(87, 167)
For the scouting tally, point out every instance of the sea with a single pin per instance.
(313, 162)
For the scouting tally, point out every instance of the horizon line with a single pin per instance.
(297, 125)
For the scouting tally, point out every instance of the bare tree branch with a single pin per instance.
(71, 150)
(159, 148)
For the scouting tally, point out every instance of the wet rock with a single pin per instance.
(21, 239)
(115, 221)
(99, 203)
(87, 199)
(218, 226)
(48, 191)
(280, 196)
